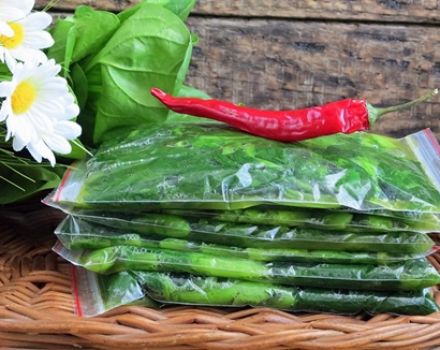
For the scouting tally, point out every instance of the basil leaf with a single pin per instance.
(151, 48)
(83, 34)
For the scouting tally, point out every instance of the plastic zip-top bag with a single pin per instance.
(133, 230)
(95, 294)
(213, 167)
(408, 275)
(317, 218)
(83, 233)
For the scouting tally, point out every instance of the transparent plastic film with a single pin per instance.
(76, 233)
(318, 218)
(148, 229)
(95, 294)
(193, 290)
(187, 289)
(213, 167)
(409, 275)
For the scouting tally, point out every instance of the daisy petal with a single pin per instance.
(21, 127)
(9, 11)
(26, 5)
(6, 88)
(70, 130)
(10, 61)
(41, 150)
(40, 121)
(36, 21)
(42, 126)
(34, 153)
(58, 144)
(5, 29)
(46, 152)
(27, 54)
(18, 144)
(4, 112)
(72, 111)
(38, 40)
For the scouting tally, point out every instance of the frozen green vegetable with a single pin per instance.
(316, 218)
(246, 235)
(408, 275)
(213, 167)
(192, 290)
(137, 287)
(77, 233)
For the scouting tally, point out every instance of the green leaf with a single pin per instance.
(181, 75)
(60, 32)
(189, 91)
(21, 181)
(181, 8)
(79, 85)
(69, 52)
(5, 74)
(81, 35)
(151, 48)
(94, 29)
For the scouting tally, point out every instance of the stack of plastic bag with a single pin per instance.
(204, 215)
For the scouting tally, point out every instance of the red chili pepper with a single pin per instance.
(344, 116)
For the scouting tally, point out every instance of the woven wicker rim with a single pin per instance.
(36, 311)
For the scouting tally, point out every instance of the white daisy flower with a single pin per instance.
(11, 11)
(38, 109)
(28, 39)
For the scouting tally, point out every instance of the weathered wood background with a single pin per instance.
(296, 53)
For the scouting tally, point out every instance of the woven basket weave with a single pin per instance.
(36, 311)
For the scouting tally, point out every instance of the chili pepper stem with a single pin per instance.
(374, 113)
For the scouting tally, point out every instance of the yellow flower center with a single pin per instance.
(23, 97)
(16, 39)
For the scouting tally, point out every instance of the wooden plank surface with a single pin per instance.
(284, 63)
(289, 64)
(417, 11)
(377, 10)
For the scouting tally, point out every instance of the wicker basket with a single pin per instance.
(36, 311)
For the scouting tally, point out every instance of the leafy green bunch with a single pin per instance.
(110, 62)
(113, 60)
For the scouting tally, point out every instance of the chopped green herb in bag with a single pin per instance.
(213, 167)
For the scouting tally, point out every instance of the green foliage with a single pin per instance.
(151, 48)
(21, 178)
(111, 61)
(81, 35)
